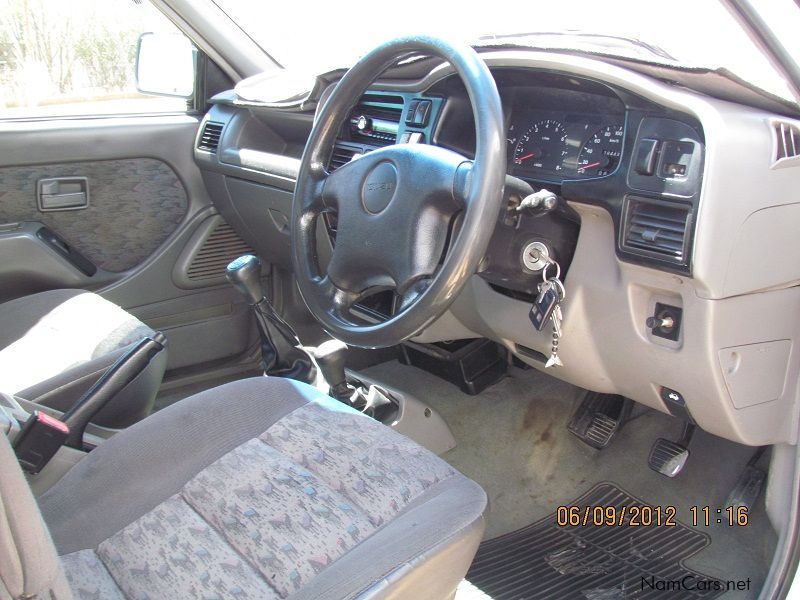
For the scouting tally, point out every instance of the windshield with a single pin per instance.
(319, 37)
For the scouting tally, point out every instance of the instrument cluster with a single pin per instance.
(556, 145)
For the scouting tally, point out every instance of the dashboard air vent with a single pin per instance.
(788, 140)
(340, 157)
(657, 228)
(220, 248)
(209, 139)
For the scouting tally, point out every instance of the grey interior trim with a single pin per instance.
(782, 572)
(180, 272)
(415, 419)
(266, 162)
(35, 267)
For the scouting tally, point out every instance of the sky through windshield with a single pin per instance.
(318, 37)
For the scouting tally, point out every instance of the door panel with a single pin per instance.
(134, 205)
(148, 207)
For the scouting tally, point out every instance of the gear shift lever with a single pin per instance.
(281, 352)
(330, 357)
(244, 273)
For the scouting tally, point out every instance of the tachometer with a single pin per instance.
(600, 155)
(543, 146)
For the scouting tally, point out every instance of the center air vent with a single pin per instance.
(341, 156)
(657, 228)
(209, 139)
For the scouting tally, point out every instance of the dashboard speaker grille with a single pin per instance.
(657, 228)
(220, 248)
(209, 138)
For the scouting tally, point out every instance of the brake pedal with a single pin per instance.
(667, 457)
(599, 418)
(749, 485)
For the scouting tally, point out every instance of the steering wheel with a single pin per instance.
(413, 218)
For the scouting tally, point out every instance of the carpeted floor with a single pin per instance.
(512, 439)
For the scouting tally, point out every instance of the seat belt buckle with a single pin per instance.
(39, 440)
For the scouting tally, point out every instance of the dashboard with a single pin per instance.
(658, 209)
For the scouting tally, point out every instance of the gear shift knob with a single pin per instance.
(245, 275)
(330, 357)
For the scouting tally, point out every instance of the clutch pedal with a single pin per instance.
(599, 418)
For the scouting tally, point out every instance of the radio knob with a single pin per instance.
(363, 123)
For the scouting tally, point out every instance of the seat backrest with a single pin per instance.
(29, 565)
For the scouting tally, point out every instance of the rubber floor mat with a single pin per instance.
(595, 562)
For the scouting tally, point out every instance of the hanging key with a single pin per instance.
(548, 298)
(556, 318)
(545, 304)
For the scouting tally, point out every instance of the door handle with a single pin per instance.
(62, 193)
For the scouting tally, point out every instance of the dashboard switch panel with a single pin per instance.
(668, 158)
(418, 112)
(646, 155)
(676, 158)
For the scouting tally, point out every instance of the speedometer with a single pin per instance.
(601, 153)
(543, 146)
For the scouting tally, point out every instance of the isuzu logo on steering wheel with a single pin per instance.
(379, 187)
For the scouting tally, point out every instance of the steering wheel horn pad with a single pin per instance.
(396, 206)
(379, 188)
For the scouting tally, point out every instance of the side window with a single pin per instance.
(78, 57)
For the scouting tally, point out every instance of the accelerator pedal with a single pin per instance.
(749, 485)
(667, 457)
(599, 418)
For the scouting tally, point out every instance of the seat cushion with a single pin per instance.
(54, 345)
(263, 488)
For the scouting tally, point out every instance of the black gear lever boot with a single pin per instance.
(281, 352)
(371, 400)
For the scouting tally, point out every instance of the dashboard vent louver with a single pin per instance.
(221, 247)
(209, 139)
(788, 140)
(658, 228)
(340, 157)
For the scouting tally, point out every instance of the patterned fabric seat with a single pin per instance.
(263, 488)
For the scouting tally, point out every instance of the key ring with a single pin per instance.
(558, 270)
(562, 291)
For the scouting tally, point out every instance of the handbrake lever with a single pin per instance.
(113, 381)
